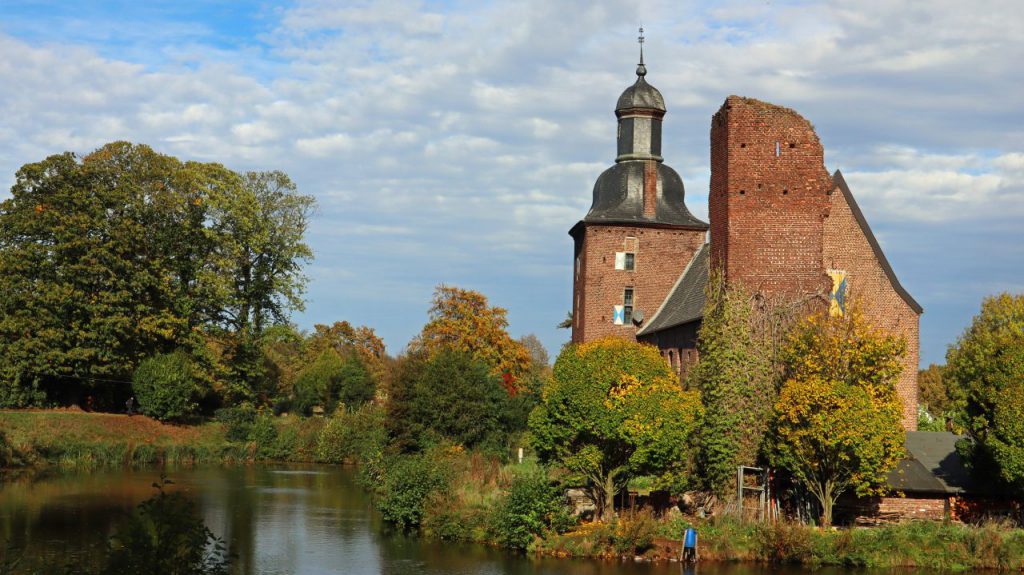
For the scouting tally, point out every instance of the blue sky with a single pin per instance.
(457, 142)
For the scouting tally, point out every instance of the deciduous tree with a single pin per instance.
(463, 320)
(985, 374)
(612, 410)
(837, 422)
(454, 396)
(102, 260)
(127, 253)
(931, 389)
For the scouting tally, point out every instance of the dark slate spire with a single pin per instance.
(640, 187)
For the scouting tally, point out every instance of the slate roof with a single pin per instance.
(619, 197)
(641, 95)
(932, 465)
(685, 303)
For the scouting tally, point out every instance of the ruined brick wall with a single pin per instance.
(662, 255)
(847, 247)
(877, 510)
(768, 197)
(776, 226)
(910, 507)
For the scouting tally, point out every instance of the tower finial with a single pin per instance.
(641, 70)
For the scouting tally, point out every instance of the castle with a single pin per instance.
(781, 226)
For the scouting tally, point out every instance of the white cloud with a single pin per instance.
(481, 127)
(942, 187)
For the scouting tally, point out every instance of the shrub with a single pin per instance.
(783, 542)
(17, 393)
(263, 436)
(297, 438)
(351, 437)
(532, 505)
(445, 518)
(8, 456)
(237, 421)
(635, 534)
(410, 481)
(165, 387)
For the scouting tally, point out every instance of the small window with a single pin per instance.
(778, 149)
(577, 267)
(627, 306)
(630, 262)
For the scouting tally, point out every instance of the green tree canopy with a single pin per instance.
(612, 410)
(451, 396)
(985, 375)
(127, 253)
(333, 378)
(166, 388)
(837, 421)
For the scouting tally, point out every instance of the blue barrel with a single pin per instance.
(690, 539)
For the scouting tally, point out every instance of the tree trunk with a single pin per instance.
(827, 501)
(608, 509)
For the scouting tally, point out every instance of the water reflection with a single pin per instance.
(276, 520)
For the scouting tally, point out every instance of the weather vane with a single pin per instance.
(641, 40)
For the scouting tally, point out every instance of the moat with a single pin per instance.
(298, 520)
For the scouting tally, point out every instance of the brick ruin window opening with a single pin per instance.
(627, 306)
(778, 149)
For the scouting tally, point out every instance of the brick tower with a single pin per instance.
(638, 236)
(769, 198)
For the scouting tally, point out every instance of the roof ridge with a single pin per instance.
(840, 183)
(696, 256)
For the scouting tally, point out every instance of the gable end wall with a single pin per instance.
(846, 247)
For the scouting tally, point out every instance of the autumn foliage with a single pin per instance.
(462, 320)
(836, 425)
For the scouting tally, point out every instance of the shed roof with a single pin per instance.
(932, 465)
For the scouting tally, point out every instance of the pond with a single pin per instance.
(296, 520)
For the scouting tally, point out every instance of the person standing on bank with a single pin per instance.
(130, 404)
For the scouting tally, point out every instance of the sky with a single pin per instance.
(457, 142)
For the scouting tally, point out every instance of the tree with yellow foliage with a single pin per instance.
(612, 410)
(462, 320)
(837, 424)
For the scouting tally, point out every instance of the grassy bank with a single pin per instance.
(74, 439)
(449, 494)
(920, 544)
